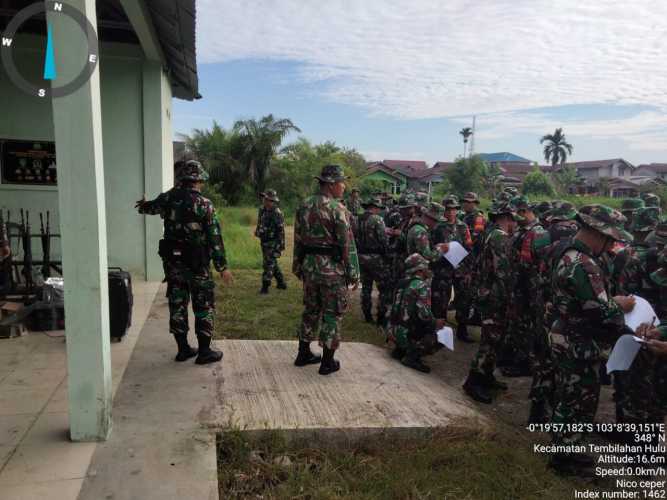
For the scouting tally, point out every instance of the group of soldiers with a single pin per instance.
(548, 284)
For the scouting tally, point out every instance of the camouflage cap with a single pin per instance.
(542, 207)
(270, 194)
(435, 211)
(421, 198)
(565, 211)
(521, 203)
(645, 219)
(500, 207)
(632, 204)
(651, 200)
(659, 277)
(511, 190)
(504, 196)
(191, 170)
(415, 263)
(605, 220)
(373, 202)
(331, 174)
(407, 201)
(471, 197)
(451, 202)
(661, 233)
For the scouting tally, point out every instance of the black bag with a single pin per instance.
(120, 302)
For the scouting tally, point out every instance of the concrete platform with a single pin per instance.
(166, 414)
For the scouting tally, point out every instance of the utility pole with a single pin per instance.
(472, 137)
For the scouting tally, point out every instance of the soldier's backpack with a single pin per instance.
(121, 301)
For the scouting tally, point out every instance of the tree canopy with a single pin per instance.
(557, 148)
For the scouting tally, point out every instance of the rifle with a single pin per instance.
(6, 281)
(46, 244)
(27, 250)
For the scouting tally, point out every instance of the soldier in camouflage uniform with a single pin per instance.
(407, 205)
(354, 203)
(412, 323)
(587, 315)
(445, 276)
(651, 199)
(632, 268)
(658, 237)
(192, 238)
(271, 232)
(511, 190)
(628, 209)
(526, 307)
(492, 301)
(476, 222)
(419, 238)
(373, 249)
(325, 259)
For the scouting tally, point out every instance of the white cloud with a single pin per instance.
(435, 58)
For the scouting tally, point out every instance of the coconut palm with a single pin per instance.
(466, 132)
(557, 148)
(261, 139)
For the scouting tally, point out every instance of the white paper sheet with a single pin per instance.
(446, 337)
(623, 353)
(455, 254)
(641, 313)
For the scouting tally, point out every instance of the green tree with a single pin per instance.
(261, 140)
(220, 152)
(537, 183)
(466, 132)
(566, 178)
(491, 179)
(557, 148)
(466, 175)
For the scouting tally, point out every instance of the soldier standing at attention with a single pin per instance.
(373, 249)
(587, 315)
(192, 238)
(271, 232)
(493, 297)
(325, 259)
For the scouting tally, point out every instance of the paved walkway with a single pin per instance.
(37, 459)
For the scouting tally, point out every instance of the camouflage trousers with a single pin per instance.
(576, 397)
(415, 341)
(462, 296)
(542, 364)
(374, 269)
(270, 266)
(324, 303)
(441, 295)
(635, 391)
(520, 329)
(183, 285)
(484, 362)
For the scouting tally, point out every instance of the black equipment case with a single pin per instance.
(120, 302)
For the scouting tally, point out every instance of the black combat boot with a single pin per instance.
(475, 387)
(462, 334)
(265, 287)
(538, 413)
(206, 354)
(519, 369)
(413, 361)
(281, 284)
(185, 352)
(306, 356)
(398, 353)
(493, 383)
(329, 364)
(368, 317)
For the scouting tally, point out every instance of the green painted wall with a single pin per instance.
(123, 123)
(381, 176)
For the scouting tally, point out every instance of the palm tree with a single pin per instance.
(465, 132)
(261, 139)
(557, 148)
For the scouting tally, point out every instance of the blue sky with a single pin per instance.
(397, 79)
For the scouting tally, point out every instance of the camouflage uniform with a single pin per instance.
(192, 238)
(658, 237)
(399, 243)
(635, 394)
(651, 200)
(271, 232)
(526, 318)
(587, 315)
(325, 258)
(628, 209)
(476, 223)
(412, 323)
(444, 275)
(492, 301)
(353, 203)
(374, 263)
(419, 236)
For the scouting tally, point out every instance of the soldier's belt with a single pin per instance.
(332, 251)
(372, 251)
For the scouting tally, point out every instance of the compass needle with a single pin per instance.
(50, 61)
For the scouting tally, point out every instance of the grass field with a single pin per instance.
(452, 463)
